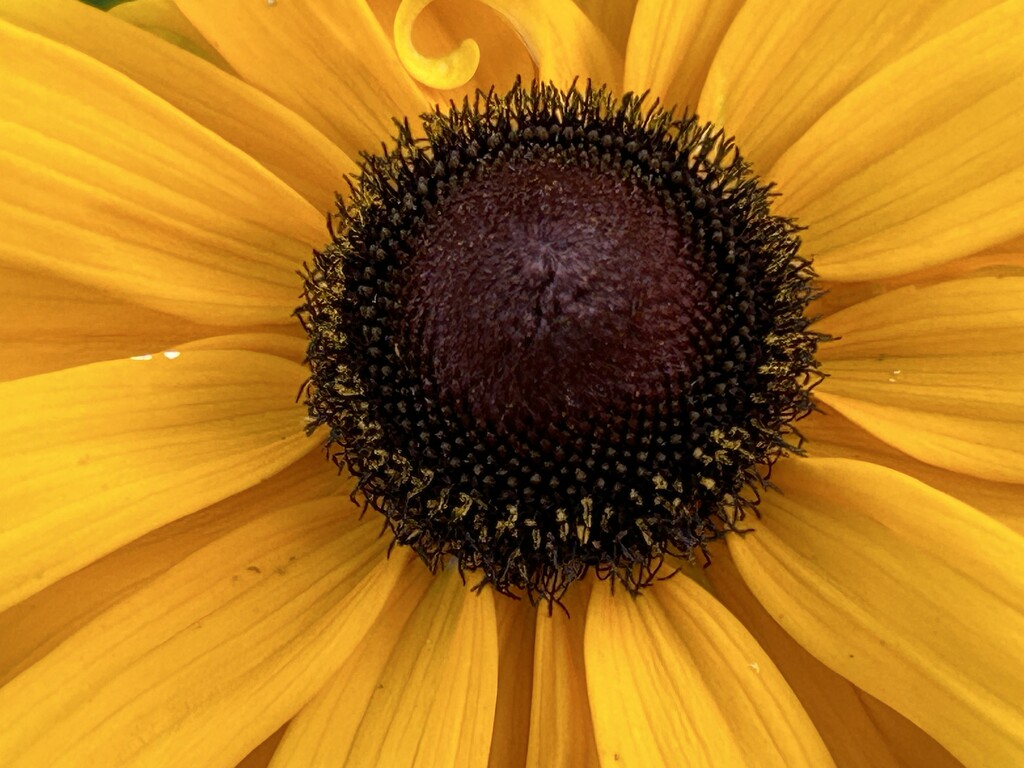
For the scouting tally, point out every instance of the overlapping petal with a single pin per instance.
(673, 673)
(421, 691)
(910, 594)
(108, 185)
(95, 456)
(329, 62)
(920, 164)
(34, 627)
(780, 68)
(859, 731)
(671, 47)
(937, 372)
(564, 732)
(565, 44)
(261, 127)
(267, 611)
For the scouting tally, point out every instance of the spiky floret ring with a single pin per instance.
(559, 332)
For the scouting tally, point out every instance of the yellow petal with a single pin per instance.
(614, 19)
(94, 457)
(278, 138)
(780, 69)
(34, 627)
(674, 673)
(289, 347)
(321, 734)
(937, 372)
(910, 594)
(255, 622)
(162, 18)
(840, 711)
(108, 185)
(452, 70)
(920, 164)
(329, 62)
(671, 46)
(516, 620)
(562, 732)
(48, 324)
(561, 39)
(434, 703)
(830, 435)
(440, 28)
(564, 42)
(422, 693)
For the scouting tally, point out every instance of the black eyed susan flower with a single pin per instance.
(564, 342)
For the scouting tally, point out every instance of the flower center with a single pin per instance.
(559, 333)
(545, 297)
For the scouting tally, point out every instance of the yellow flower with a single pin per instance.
(177, 582)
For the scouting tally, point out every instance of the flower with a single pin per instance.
(175, 574)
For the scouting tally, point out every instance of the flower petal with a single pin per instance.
(283, 142)
(173, 217)
(321, 734)
(517, 620)
(937, 372)
(910, 594)
(830, 435)
(564, 42)
(840, 711)
(563, 734)
(254, 622)
(561, 39)
(422, 694)
(674, 673)
(671, 46)
(920, 164)
(441, 27)
(93, 457)
(780, 69)
(34, 627)
(331, 63)
(164, 19)
(614, 19)
(48, 324)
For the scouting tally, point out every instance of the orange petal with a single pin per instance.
(283, 142)
(671, 46)
(674, 673)
(562, 732)
(780, 69)
(96, 456)
(172, 217)
(937, 372)
(920, 164)
(331, 63)
(894, 585)
(429, 702)
(256, 621)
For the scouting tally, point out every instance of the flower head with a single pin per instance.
(181, 572)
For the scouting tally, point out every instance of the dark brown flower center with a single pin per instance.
(542, 291)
